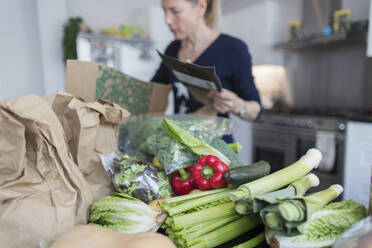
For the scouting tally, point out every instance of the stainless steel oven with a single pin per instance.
(283, 139)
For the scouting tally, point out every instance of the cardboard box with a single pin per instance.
(92, 81)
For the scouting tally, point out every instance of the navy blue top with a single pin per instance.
(233, 65)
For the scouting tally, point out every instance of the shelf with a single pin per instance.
(325, 41)
(103, 38)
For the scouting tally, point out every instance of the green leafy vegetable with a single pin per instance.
(149, 138)
(135, 177)
(126, 214)
(196, 145)
(332, 220)
(236, 147)
(324, 226)
(226, 150)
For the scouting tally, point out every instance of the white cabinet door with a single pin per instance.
(358, 162)
(369, 48)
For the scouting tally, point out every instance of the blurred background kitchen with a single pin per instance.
(311, 66)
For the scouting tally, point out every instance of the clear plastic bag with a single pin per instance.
(148, 139)
(136, 177)
(359, 236)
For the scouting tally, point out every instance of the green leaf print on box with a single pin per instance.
(120, 88)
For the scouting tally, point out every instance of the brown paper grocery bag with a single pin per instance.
(93, 81)
(91, 128)
(42, 191)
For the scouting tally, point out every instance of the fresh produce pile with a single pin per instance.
(131, 175)
(179, 141)
(231, 200)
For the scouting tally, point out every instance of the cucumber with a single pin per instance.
(245, 174)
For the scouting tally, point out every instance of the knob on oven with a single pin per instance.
(309, 124)
(341, 126)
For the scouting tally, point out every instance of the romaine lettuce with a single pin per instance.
(324, 226)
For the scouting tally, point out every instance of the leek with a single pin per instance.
(198, 146)
(278, 179)
(291, 212)
(252, 242)
(297, 188)
(243, 207)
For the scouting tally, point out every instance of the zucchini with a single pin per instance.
(245, 174)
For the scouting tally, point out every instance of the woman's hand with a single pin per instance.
(225, 101)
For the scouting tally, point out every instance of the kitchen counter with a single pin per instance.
(355, 115)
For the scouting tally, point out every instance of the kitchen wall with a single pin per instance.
(359, 8)
(51, 18)
(20, 49)
(263, 23)
(32, 44)
(334, 78)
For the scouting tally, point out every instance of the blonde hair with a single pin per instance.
(212, 13)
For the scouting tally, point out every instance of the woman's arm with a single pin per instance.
(244, 99)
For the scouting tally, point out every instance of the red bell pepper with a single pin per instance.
(209, 173)
(183, 182)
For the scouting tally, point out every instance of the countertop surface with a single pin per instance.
(355, 115)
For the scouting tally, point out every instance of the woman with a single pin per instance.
(193, 23)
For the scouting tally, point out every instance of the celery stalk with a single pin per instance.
(211, 227)
(278, 179)
(220, 197)
(252, 242)
(216, 212)
(193, 196)
(186, 236)
(227, 232)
